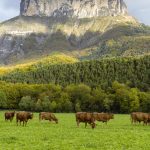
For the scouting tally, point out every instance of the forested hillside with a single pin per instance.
(122, 41)
(122, 47)
(49, 60)
(131, 70)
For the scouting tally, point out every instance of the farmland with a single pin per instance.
(118, 134)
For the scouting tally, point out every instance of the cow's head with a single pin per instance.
(93, 125)
(30, 115)
(111, 116)
(56, 120)
(13, 113)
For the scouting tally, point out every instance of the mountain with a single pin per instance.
(85, 29)
(73, 8)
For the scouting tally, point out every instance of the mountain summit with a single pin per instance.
(73, 8)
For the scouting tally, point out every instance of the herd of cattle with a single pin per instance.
(84, 117)
(23, 117)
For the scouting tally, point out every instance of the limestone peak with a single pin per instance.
(73, 8)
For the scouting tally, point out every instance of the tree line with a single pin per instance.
(131, 70)
(117, 98)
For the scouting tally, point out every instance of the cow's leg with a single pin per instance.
(17, 122)
(78, 123)
(25, 123)
(139, 122)
(135, 122)
(145, 122)
(85, 124)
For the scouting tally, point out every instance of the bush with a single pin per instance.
(145, 101)
(46, 104)
(26, 103)
(3, 100)
(118, 98)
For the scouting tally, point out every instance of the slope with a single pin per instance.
(24, 38)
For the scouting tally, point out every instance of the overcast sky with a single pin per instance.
(137, 8)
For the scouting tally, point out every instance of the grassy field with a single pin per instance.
(119, 134)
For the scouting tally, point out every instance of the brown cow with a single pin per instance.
(85, 117)
(103, 117)
(140, 117)
(23, 117)
(9, 116)
(48, 116)
(133, 117)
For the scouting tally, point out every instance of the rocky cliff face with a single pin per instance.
(47, 26)
(73, 8)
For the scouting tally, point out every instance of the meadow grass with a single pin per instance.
(118, 134)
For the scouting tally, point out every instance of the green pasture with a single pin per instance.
(118, 134)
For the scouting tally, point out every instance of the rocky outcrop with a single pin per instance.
(42, 29)
(73, 8)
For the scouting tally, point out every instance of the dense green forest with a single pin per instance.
(118, 98)
(134, 71)
(119, 85)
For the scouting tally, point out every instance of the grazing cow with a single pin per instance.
(9, 116)
(48, 116)
(85, 117)
(23, 117)
(140, 117)
(103, 117)
(133, 117)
